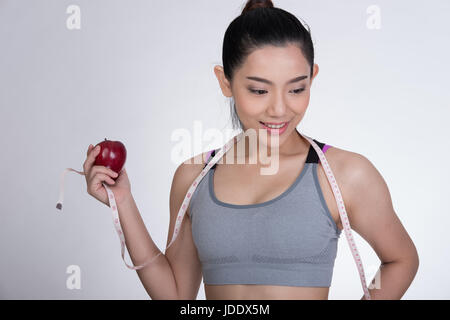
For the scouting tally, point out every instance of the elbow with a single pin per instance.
(411, 261)
(412, 266)
(415, 262)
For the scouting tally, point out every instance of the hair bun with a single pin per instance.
(253, 4)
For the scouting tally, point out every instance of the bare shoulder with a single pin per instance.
(352, 166)
(188, 170)
(340, 161)
(184, 175)
(360, 181)
(354, 172)
(349, 165)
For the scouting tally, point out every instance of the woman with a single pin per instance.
(255, 236)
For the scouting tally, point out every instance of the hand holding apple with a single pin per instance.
(104, 165)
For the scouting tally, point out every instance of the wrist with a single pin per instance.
(126, 200)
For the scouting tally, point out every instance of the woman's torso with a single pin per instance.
(228, 188)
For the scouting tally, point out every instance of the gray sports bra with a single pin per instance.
(290, 240)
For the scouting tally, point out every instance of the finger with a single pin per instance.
(101, 177)
(87, 154)
(93, 153)
(86, 163)
(105, 170)
(89, 149)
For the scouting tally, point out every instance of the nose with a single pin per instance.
(277, 108)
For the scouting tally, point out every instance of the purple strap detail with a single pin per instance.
(209, 155)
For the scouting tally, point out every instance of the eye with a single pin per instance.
(258, 92)
(298, 91)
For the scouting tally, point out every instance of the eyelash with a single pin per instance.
(258, 90)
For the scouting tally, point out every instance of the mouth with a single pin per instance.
(274, 127)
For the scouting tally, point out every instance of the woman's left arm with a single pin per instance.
(371, 214)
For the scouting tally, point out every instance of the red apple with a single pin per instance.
(112, 155)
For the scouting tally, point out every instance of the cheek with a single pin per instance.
(301, 103)
(248, 106)
(251, 110)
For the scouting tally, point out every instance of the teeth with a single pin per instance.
(274, 126)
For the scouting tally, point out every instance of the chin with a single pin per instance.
(268, 139)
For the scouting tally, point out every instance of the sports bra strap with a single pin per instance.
(312, 156)
(209, 156)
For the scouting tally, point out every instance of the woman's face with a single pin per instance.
(273, 85)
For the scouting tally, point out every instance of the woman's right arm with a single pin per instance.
(156, 277)
(177, 273)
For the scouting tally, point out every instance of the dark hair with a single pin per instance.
(261, 24)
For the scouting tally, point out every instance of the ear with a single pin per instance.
(315, 71)
(223, 82)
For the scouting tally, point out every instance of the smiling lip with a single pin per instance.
(274, 123)
(276, 131)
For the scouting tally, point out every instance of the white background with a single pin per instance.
(137, 71)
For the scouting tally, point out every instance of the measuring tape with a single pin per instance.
(187, 199)
(342, 213)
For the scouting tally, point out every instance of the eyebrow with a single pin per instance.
(271, 83)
